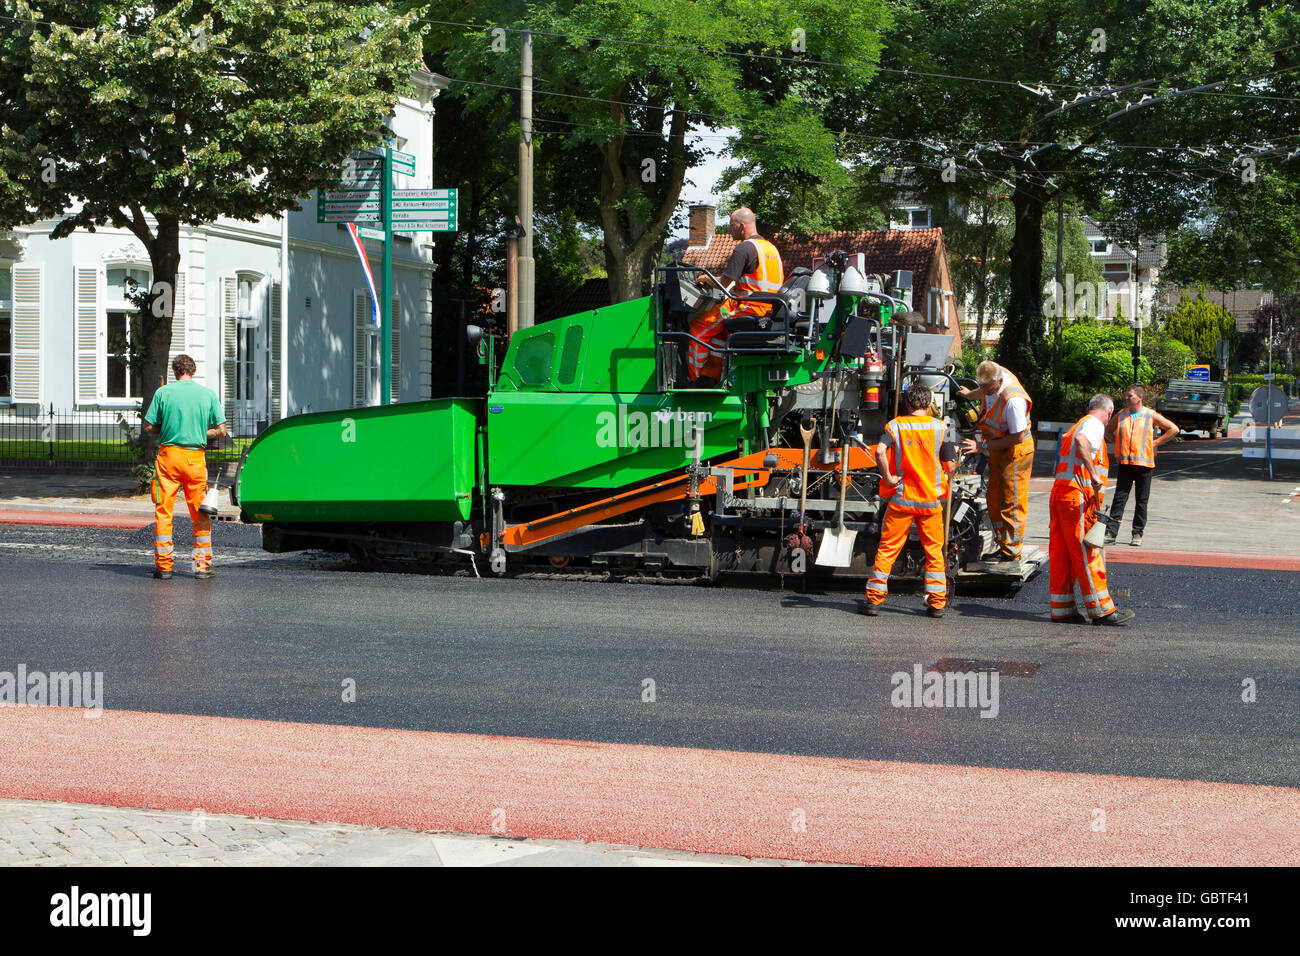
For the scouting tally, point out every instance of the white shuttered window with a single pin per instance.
(28, 306)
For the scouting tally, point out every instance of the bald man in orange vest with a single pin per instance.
(754, 267)
(1077, 492)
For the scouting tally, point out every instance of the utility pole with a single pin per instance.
(526, 275)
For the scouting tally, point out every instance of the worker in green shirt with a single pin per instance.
(185, 415)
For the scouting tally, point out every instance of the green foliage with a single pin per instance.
(623, 83)
(1099, 358)
(1003, 133)
(1280, 379)
(141, 450)
(1168, 357)
(147, 117)
(1201, 325)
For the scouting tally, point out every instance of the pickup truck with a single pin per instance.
(1196, 406)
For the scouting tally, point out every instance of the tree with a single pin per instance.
(1201, 325)
(150, 118)
(621, 85)
(1282, 318)
(1017, 92)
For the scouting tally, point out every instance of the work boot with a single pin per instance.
(869, 609)
(202, 575)
(1136, 540)
(1075, 618)
(162, 575)
(934, 611)
(1115, 618)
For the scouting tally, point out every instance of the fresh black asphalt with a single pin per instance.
(277, 637)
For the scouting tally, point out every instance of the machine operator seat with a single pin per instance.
(752, 331)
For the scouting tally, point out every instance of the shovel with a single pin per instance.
(837, 543)
(801, 541)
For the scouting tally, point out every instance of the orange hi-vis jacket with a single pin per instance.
(913, 454)
(993, 423)
(1070, 468)
(766, 279)
(1135, 440)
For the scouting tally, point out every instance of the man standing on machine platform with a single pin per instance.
(1009, 443)
(754, 267)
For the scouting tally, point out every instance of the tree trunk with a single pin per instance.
(627, 274)
(1020, 347)
(630, 245)
(156, 317)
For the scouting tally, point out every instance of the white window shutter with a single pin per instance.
(275, 351)
(361, 348)
(178, 323)
(90, 351)
(229, 344)
(28, 306)
(397, 349)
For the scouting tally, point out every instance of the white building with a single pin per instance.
(63, 301)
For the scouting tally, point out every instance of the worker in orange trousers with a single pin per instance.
(1077, 493)
(1009, 442)
(186, 415)
(915, 463)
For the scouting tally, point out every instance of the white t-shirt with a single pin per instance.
(1017, 411)
(1093, 431)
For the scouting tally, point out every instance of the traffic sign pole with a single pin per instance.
(386, 335)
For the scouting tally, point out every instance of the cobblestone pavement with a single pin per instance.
(74, 834)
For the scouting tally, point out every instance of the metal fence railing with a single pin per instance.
(45, 433)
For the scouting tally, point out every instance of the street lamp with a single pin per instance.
(1135, 320)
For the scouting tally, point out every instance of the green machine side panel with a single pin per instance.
(603, 440)
(605, 350)
(411, 462)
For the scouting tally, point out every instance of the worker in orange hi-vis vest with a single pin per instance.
(754, 267)
(1008, 441)
(186, 416)
(1077, 493)
(915, 463)
(1133, 432)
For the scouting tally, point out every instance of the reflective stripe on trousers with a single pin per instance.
(893, 536)
(176, 470)
(1073, 563)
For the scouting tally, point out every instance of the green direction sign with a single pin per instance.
(348, 217)
(426, 225)
(419, 210)
(365, 232)
(409, 194)
(402, 162)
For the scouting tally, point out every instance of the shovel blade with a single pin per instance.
(837, 548)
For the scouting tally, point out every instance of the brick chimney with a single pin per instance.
(703, 221)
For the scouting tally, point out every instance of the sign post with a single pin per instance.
(366, 195)
(386, 335)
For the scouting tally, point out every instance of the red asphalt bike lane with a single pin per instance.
(748, 804)
(72, 519)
